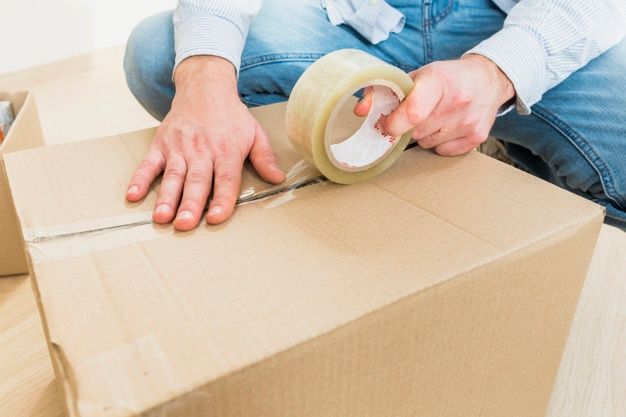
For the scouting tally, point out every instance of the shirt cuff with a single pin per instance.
(208, 35)
(522, 58)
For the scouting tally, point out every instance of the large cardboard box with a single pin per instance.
(24, 134)
(445, 287)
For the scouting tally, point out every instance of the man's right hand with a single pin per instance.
(207, 134)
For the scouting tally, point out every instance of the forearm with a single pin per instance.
(213, 27)
(544, 41)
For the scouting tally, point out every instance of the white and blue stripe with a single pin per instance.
(542, 41)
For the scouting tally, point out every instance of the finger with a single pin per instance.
(148, 170)
(170, 190)
(455, 147)
(195, 194)
(440, 129)
(263, 158)
(438, 138)
(416, 107)
(431, 126)
(362, 107)
(227, 186)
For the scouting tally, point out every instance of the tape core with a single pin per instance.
(369, 144)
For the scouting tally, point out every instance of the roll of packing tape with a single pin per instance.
(316, 100)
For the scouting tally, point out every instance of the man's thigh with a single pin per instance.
(576, 135)
(149, 62)
(287, 37)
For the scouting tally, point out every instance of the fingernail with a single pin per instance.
(215, 210)
(184, 215)
(132, 190)
(162, 208)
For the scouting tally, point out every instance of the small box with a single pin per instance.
(25, 133)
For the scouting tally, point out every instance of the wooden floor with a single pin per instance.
(86, 97)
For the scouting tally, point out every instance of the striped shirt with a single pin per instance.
(541, 43)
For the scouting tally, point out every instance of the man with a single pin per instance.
(560, 63)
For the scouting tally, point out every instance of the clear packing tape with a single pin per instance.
(344, 156)
(316, 101)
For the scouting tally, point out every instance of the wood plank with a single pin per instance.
(27, 385)
(592, 376)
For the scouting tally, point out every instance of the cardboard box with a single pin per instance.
(24, 134)
(445, 287)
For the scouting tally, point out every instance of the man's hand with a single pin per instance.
(452, 106)
(207, 134)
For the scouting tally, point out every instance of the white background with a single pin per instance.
(34, 32)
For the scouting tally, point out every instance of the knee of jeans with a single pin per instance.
(149, 62)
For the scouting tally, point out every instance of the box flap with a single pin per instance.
(24, 134)
(139, 315)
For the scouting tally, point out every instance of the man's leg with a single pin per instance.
(285, 38)
(576, 135)
(149, 62)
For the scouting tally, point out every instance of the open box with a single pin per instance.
(444, 287)
(24, 134)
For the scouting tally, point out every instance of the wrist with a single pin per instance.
(505, 88)
(211, 72)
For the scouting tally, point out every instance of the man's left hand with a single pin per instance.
(452, 106)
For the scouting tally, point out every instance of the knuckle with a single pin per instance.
(149, 163)
(461, 99)
(266, 154)
(414, 113)
(426, 143)
(469, 121)
(227, 177)
(173, 172)
(199, 143)
(476, 138)
(197, 177)
(225, 148)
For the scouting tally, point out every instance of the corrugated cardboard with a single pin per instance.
(24, 134)
(445, 287)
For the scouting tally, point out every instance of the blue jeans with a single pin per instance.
(575, 136)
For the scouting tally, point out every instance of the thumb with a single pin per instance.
(416, 107)
(362, 107)
(263, 158)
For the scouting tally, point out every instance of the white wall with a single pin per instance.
(34, 32)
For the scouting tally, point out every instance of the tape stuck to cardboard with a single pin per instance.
(316, 101)
(67, 240)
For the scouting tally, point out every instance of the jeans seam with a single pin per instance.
(279, 57)
(444, 13)
(606, 179)
(427, 25)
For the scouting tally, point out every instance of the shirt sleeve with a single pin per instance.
(544, 41)
(213, 27)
